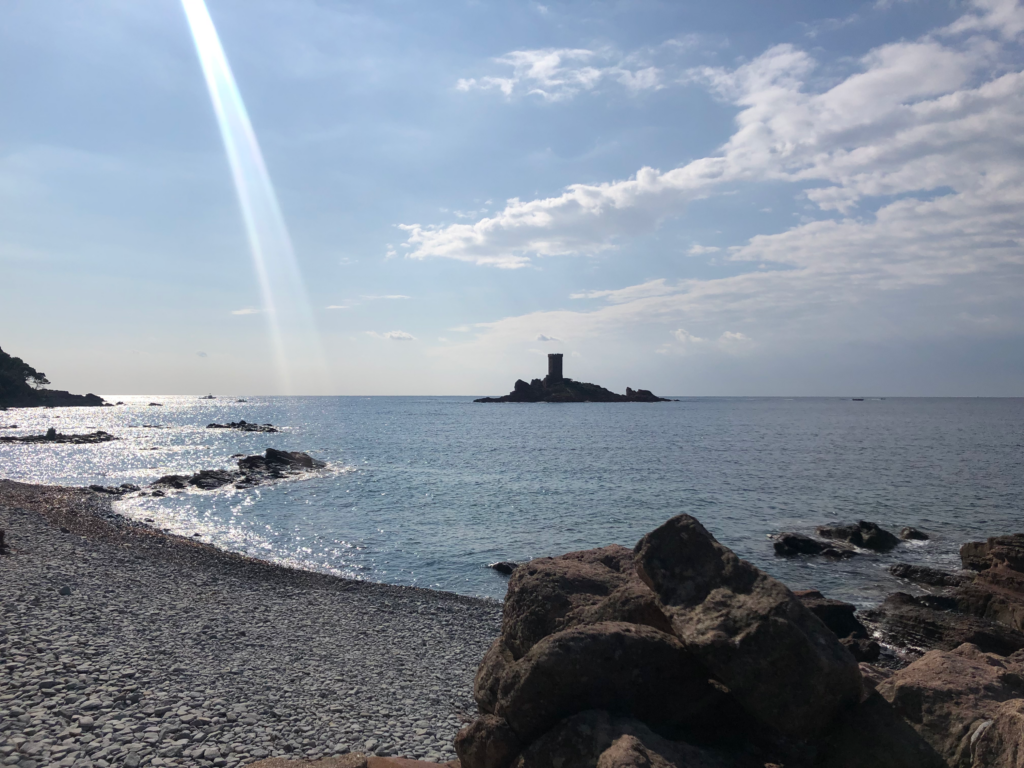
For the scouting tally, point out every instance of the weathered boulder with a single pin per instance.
(781, 663)
(996, 593)
(599, 740)
(626, 669)
(953, 700)
(488, 675)
(999, 742)
(487, 742)
(930, 622)
(549, 594)
(862, 534)
(504, 567)
(932, 577)
(873, 735)
(997, 550)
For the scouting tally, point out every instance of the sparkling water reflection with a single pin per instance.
(427, 491)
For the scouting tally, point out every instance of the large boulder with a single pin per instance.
(487, 742)
(626, 669)
(549, 594)
(597, 739)
(861, 534)
(965, 704)
(874, 735)
(782, 664)
(488, 675)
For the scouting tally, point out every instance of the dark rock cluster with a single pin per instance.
(982, 604)
(252, 470)
(548, 390)
(843, 541)
(244, 426)
(53, 436)
(679, 653)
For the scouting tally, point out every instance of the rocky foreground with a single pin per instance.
(120, 646)
(678, 653)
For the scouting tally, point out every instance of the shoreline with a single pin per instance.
(125, 645)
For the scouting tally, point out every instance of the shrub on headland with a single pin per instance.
(21, 386)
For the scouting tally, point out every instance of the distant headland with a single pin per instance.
(21, 387)
(555, 388)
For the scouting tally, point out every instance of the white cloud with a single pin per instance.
(201, 354)
(246, 311)
(685, 337)
(542, 337)
(558, 74)
(395, 336)
(920, 151)
(697, 250)
(388, 296)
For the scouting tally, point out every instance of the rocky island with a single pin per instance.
(21, 386)
(555, 388)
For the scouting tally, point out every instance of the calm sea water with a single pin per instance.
(428, 491)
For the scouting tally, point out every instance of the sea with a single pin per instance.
(428, 491)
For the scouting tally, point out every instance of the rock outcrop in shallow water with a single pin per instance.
(680, 654)
(53, 436)
(252, 470)
(569, 391)
(244, 426)
(555, 388)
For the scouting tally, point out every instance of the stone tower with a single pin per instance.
(555, 367)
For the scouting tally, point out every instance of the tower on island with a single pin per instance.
(555, 367)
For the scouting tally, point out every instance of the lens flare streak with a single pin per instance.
(290, 324)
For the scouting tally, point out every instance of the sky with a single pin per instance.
(733, 198)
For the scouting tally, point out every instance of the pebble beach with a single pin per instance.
(120, 645)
